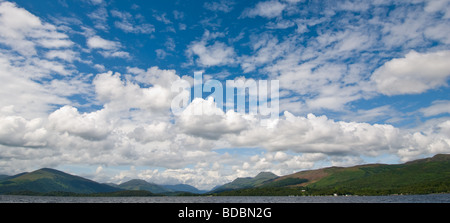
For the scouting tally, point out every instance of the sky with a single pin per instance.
(86, 86)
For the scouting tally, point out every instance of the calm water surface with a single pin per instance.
(431, 198)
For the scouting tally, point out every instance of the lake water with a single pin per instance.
(431, 198)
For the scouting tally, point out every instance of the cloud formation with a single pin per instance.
(91, 90)
(413, 74)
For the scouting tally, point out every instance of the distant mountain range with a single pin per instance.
(137, 184)
(430, 175)
(48, 180)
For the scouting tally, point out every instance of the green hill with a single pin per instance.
(430, 175)
(49, 180)
(184, 188)
(248, 182)
(138, 184)
(2, 176)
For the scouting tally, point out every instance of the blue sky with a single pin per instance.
(86, 86)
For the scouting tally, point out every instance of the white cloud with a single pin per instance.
(23, 31)
(438, 6)
(100, 18)
(436, 108)
(349, 140)
(217, 54)
(100, 67)
(440, 32)
(319, 134)
(159, 131)
(223, 169)
(202, 178)
(67, 55)
(202, 118)
(122, 96)
(268, 9)
(107, 48)
(413, 74)
(429, 139)
(135, 127)
(160, 53)
(96, 42)
(321, 85)
(33, 52)
(90, 126)
(17, 131)
(410, 27)
(384, 113)
(353, 5)
(129, 25)
(265, 50)
(154, 76)
(280, 24)
(18, 89)
(162, 18)
(118, 54)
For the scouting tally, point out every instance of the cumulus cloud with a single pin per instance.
(130, 123)
(431, 138)
(204, 119)
(18, 131)
(90, 126)
(413, 74)
(159, 131)
(121, 95)
(216, 54)
(314, 134)
(207, 174)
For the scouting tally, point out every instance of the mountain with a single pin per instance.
(435, 158)
(430, 175)
(49, 180)
(248, 182)
(423, 176)
(2, 176)
(6, 177)
(184, 188)
(138, 184)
